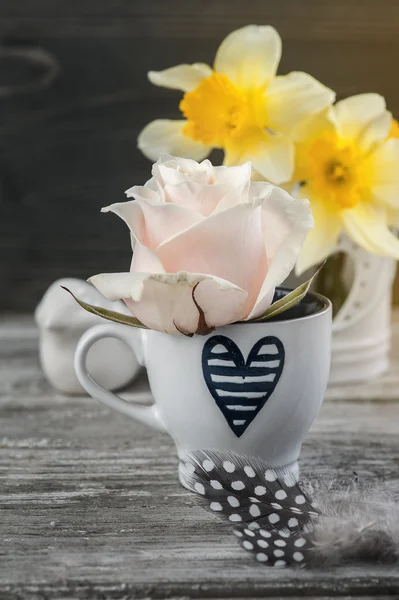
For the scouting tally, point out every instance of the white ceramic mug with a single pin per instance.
(251, 388)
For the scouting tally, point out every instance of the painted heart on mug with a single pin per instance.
(241, 388)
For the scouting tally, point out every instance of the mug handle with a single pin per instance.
(149, 415)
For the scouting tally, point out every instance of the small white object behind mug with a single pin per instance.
(62, 322)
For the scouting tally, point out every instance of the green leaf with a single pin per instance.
(289, 301)
(110, 315)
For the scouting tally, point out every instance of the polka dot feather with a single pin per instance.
(266, 507)
(246, 489)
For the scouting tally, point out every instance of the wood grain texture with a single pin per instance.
(69, 147)
(90, 505)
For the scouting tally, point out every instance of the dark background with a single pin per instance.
(68, 144)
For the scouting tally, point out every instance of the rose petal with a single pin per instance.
(173, 170)
(165, 302)
(249, 56)
(181, 77)
(145, 260)
(228, 244)
(233, 176)
(238, 195)
(285, 223)
(194, 196)
(163, 136)
(152, 223)
(147, 194)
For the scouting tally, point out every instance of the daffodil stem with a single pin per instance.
(330, 282)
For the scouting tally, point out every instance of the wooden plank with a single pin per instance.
(90, 504)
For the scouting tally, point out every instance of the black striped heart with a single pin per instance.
(241, 388)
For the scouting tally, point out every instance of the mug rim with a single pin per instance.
(325, 308)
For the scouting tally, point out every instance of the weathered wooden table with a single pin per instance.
(90, 504)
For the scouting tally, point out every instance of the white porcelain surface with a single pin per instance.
(62, 322)
(361, 339)
(185, 408)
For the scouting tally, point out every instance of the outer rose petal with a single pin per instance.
(166, 137)
(386, 173)
(294, 97)
(367, 225)
(152, 223)
(353, 114)
(286, 223)
(322, 240)
(163, 301)
(181, 77)
(228, 244)
(249, 56)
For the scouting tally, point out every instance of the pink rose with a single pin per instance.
(210, 246)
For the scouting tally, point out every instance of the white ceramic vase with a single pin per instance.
(361, 338)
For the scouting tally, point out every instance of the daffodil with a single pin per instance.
(240, 106)
(347, 165)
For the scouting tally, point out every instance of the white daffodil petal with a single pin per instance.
(164, 302)
(181, 77)
(294, 97)
(376, 131)
(314, 127)
(353, 114)
(274, 159)
(271, 155)
(367, 225)
(249, 56)
(322, 240)
(166, 137)
(285, 223)
(386, 173)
